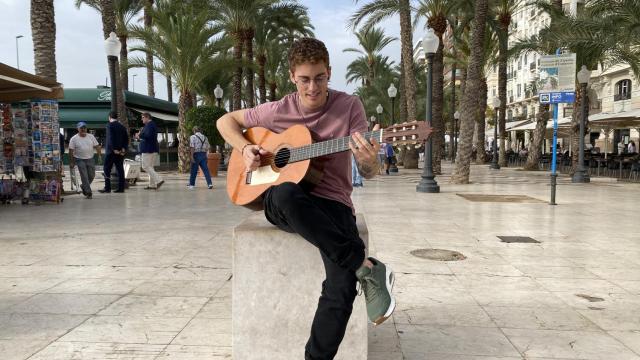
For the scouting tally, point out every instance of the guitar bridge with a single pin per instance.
(263, 175)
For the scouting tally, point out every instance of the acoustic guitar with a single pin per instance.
(291, 153)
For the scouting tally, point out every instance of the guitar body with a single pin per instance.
(246, 188)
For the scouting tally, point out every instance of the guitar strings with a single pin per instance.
(281, 157)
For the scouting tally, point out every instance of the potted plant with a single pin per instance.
(205, 117)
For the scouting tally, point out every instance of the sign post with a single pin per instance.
(556, 85)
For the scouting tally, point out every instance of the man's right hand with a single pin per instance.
(251, 156)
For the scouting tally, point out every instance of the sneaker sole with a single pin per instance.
(390, 279)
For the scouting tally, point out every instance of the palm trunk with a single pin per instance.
(108, 17)
(406, 39)
(452, 108)
(184, 156)
(248, 43)
(437, 110)
(169, 89)
(502, 90)
(535, 148)
(121, 102)
(262, 83)
(402, 100)
(149, 56)
(237, 77)
(575, 126)
(124, 71)
(272, 91)
(469, 99)
(481, 123)
(463, 83)
(43, 32)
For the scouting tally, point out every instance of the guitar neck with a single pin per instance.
(328, 147)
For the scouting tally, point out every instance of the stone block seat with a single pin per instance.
(277, 280)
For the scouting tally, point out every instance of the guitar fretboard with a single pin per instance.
(328, 147)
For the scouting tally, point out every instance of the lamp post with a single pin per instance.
(581, 175)
(18, 52)
(456, 116)
(133, 82)
(218, 92)
(392, 92)
(372, 122)
(428, 184)
(112, 48)
(379, 110)
(494, 161)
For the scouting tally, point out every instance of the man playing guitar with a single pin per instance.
(323, 215)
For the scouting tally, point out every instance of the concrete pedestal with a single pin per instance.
(277, 280)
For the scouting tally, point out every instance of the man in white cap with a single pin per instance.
(82, 148)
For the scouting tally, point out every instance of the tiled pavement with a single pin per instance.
(147, 275)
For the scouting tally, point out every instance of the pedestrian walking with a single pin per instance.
(149, 148)
(82, 147)
(356, 178)
(115, 148)
(199, 146)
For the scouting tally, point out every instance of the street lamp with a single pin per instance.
(392, 92)
(456, 116)
(428, 183)
(133, 83)
(581, 175)
(17, 52)
(379, 110)
(218, 92)
(372, 122)
(494, 161)
(112, 48)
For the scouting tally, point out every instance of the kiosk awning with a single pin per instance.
(17, 85)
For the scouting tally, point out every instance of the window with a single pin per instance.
(623, 90)
(567, 111)
(519, 90)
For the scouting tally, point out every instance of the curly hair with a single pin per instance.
(307, 50)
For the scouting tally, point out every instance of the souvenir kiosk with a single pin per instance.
(30, 161)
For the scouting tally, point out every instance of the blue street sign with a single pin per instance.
(564, 97)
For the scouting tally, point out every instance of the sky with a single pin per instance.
(81, 61)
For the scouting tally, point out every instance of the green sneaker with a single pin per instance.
(376, 284)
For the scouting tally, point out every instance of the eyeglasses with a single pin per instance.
(306, 82)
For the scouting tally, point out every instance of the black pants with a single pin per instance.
(109, 161)
(330, 226)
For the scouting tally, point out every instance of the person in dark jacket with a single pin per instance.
(116, 145)
(149, 148)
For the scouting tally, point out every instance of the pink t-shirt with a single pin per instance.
(342, 115)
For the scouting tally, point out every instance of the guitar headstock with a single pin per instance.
(407, 133)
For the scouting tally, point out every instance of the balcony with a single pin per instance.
(623, 96)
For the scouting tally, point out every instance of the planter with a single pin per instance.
(213, 161)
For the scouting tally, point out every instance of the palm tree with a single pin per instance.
(473, 87)
(125, 11)
(148, 5)
(183, 40)
(375, 12)
(106, 8)
(437, 12)
(43, 31)
(372, 40)
(270, 28)
(504, 10)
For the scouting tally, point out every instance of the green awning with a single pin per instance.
(94, 117)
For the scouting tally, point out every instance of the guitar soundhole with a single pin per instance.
(282, 158)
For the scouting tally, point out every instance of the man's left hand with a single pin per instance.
(366, 154)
